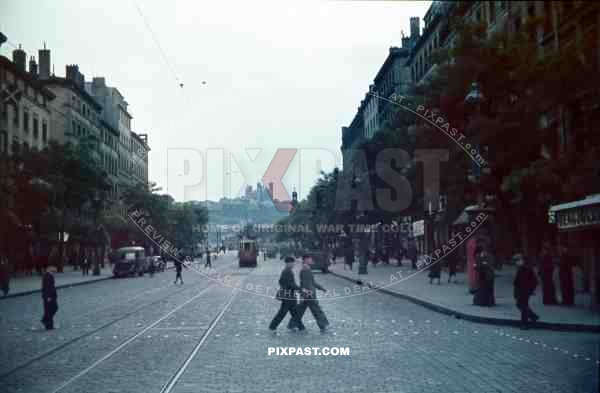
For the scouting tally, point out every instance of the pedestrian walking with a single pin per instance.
(524, 286)
(411, 254)
(400, 254)
(547, 273)
(348, 258)
(309, 288)
(178, 269)
(4, 275)
(85, 265)
(49, 297)
(208, 263)
(151, 266)
(484, 265)
(435, 272)
(565, 275)
(287, 295)
(452, 261)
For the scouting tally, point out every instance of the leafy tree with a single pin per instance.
(525, 94)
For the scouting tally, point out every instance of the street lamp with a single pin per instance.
(363, 247)
(97, 234)
(474, 98)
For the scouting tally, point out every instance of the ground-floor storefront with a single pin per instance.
(578, 225)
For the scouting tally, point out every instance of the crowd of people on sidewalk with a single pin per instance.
(482, 284)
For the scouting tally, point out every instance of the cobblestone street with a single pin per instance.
(147, 334)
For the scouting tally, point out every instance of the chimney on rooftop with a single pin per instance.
(415, 27)
(33, 68)
(73, 74)
(20, 58)
(405, 40)
(44, 59)
(98, 82)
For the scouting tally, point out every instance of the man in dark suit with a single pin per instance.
(287, 295)
(524, 286)
(49, 297)
(208, 258)
(309, 294)
(178, 269)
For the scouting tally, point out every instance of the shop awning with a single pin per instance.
(580, 214)
(589, 200)
(466, 216)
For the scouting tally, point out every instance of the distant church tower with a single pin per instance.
(294, 200)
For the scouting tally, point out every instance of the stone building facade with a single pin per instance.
(25, 106)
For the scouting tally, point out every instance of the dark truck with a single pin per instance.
(130, 261)
(320, 260)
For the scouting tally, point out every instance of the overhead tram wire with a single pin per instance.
(163, 54)
(157, 43)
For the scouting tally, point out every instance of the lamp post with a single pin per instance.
(97, 234)
(428, 227)
(485, 198)
(363, 233)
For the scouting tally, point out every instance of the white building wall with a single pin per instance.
(32, 104)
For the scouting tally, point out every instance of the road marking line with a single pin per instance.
(173, 381)
(123, 344)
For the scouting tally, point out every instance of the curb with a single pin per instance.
(25, 293)
(564, 327)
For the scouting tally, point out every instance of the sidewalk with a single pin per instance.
(454, 298)
(25, 285)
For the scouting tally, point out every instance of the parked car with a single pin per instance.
(130, 261)
(321, 260)
(160, 263)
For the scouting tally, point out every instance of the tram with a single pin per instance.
(248, 253)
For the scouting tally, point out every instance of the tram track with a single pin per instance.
(170, 384)
(130, 340)
(176, 375)
(68, 343)
(85, 335)
(178, 370)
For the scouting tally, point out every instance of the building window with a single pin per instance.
(16, 116)
(36, 126)
(15, 144)
(25, 120)
(4, 141)
(44, 130)
(517, 23)
(531, 11)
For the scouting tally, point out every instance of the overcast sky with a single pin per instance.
(279, 74)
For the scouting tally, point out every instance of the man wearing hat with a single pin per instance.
(524, 285)
(49, 297)
(287, 295)
(309, 294)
